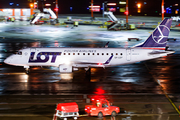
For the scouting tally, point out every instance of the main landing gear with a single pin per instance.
(88, 71)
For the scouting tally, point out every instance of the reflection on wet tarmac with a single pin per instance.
(126, 85)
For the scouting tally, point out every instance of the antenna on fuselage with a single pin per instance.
(106, 46)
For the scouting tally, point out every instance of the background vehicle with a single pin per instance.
(65, 110)
(100, 108)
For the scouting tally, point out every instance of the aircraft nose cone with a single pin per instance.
(7, 61)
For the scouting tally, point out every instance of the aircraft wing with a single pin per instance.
(100, 64)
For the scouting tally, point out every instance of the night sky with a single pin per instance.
(80, 6)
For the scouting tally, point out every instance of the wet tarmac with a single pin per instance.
(138, 89)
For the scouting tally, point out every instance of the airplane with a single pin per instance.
(71, 59)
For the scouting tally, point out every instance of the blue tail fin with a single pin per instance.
(158, 39)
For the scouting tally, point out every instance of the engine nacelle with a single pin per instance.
(65, 69)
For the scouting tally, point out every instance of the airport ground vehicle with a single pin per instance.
(65, 110)
(100, 108)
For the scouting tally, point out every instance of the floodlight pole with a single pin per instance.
(162, 8)
(57, 8)
(92, 9)
(127, 12)
(33, 3)
(103, 10)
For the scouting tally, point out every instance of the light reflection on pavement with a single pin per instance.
(135, 79)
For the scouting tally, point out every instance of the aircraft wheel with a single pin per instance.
(88, 72)
(27, 70)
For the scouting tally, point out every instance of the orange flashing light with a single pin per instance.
(139, 5)
(31, 5)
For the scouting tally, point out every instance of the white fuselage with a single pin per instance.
(82, 57)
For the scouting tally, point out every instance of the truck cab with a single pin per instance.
(100, 108)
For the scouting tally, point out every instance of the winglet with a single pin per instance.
(159, 37)
(109, 60)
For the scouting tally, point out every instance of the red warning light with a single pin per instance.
(56, 9)
(99, 63)
(99, 91)
(126, 12)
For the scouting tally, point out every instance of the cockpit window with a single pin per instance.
(19, 52)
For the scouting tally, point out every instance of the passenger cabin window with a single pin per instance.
(97, 53)
(102, 53)
(64, 53)
(106, 53)
(68, 53)
(19, 53)
(78, 53)
(73, 53)
(83, 53)
(116, 53)
(111, 53)
(93, 54)
(88, 53)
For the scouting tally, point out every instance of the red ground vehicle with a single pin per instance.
(100, 108)
(65, 110)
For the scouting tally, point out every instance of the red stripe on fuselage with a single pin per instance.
(153, 48)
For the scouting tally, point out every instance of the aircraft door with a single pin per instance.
(31, 53)
(128, 54)
(33, 50)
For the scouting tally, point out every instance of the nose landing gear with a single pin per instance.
(27, 70)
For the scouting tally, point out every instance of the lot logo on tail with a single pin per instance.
(160, 35)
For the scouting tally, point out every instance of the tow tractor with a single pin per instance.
(100, 108)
